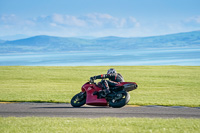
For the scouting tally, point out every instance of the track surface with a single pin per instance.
(66, 110)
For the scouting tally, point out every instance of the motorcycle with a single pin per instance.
(91, 94)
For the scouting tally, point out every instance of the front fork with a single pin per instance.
(82, 95)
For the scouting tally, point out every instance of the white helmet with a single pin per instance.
(111, 70)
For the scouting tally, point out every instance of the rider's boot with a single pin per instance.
(96, 93)
(105, 92)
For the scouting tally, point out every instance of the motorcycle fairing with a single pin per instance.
(92, 99)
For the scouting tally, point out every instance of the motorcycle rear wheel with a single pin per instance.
(78, 100)
(122, 101)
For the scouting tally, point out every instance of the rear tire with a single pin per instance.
(120, 102)
(78, 100)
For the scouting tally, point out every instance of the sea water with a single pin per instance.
(175, 56)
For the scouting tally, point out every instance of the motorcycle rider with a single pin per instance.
(114, 79)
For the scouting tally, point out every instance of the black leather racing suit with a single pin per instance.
(114, 79)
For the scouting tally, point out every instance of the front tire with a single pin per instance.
(79, 99)
(120, 100)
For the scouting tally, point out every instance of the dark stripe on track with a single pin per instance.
(66, 110)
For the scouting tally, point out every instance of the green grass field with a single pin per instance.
(158, 85)
(98, 125)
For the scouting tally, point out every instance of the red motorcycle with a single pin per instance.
(91, 94)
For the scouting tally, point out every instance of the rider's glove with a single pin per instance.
(93, 78)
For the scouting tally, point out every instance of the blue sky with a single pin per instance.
(75, 18)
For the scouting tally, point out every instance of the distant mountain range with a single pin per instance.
(62, 44)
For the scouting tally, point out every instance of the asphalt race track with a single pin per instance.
(66, 110)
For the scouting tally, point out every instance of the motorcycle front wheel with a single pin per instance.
(120, 100)
(79, 99)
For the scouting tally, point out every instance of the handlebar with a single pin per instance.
(91, 81)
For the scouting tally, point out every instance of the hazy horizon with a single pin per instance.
(21, 36)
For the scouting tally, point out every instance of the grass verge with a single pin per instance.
(100, 125)
(158, 85)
